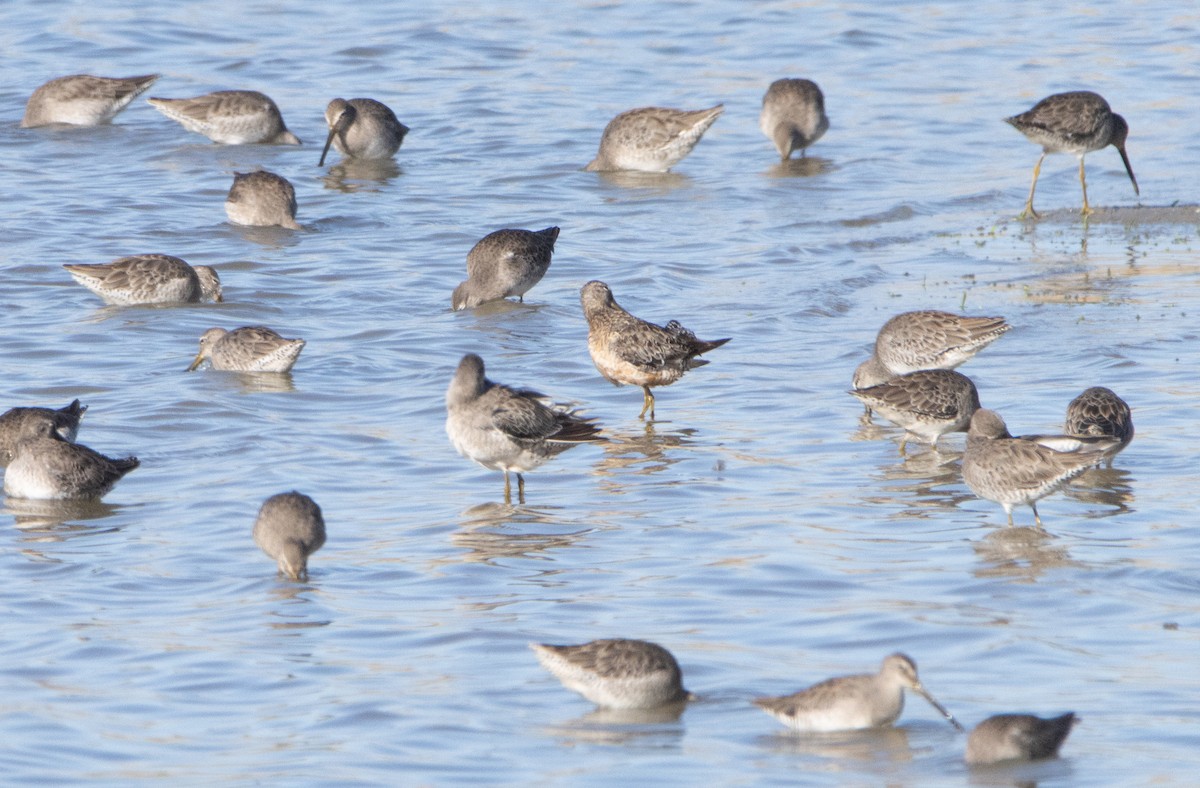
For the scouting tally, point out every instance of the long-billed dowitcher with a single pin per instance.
(926, 339)
(651, 139)
(617, 673)
(82, 99)
(793, 115)
(853, 702)
(46, 467)
(507, 429)
(289, 529)
(14, 421)
(504, 263)
(1017, 737)
(148, 279)
(927, 404)
(247, 349)
(1099, 412)
(1078, 122)
(1023, 470)
(230, 117)
(629, 350)
(261, 199)
(362, 128)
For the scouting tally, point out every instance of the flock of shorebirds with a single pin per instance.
(909, 378)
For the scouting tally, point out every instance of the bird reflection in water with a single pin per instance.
(1111, 487)
(875, 745)
(800, 168)
(47, 521)
(641, 452)
(920, 483)
(361, 175)
(658, 182)
(1021, 553)
(492, 531)
(657, 727)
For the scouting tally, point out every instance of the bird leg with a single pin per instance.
(507, 489)
(1037, 170)
(1036, 518)
(647, 403)
(520, 488)
(1087, 209)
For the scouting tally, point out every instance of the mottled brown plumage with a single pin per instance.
(629, 350)
(247, 349)
(505, 263)
(46, 467)
(1078, 122)
(362, 128)
(793, 115)
(1099, 412)
(83, 99)
(289, 529)
(926, 339)
(507, 429)
(14, 421)
(148, 279)
(1023, 470)
(651, 139)
(261, 199)
(927, 404)
(617, 673)
(229, 117)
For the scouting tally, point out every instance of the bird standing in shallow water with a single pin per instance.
(1099, 412)
(629, 350)
(148, 279)
(82, 99)
(289, 529)
(507, 429)
(505, 263)
(1078, 122)
(247, 349)
(617, 673)
(1012, 471)
(927, 404)
(793, 115)
(47, 467)
(229, 117)
(651, 139)
(853, 702)
(261, 199)
(1017, 737)
(362, 128)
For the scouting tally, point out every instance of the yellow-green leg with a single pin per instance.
(507, 489)
(520, 488)
(1037, 170)
(1087, 209)
(1036, 518)
(647, 403)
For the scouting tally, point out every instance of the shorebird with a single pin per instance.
(289, 529)
(853, 702)
(629, 350)
(927, 404)
(1099, 412)
(793, 115)
(148, 279)
(507, 429)
(229, 117)
(1023, 470)
(926, 339)
(82, 99)
(362, 128)
(261, 199)
(1078, 122)
(651, 139)
(247, 349)
(14, 421)
(46, 467)
(504, 263)
(1017, 737)
(617, 673)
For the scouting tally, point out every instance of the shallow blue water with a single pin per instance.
(759, 531)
